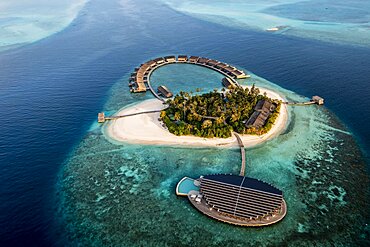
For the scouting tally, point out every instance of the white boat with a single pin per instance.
(272, 29)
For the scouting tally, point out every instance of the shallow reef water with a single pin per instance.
(124, 195)
(344, 22)
(23, 22)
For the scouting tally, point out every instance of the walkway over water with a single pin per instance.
(102, 118)
(242, 152)
(315, 100)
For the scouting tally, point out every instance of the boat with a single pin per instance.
(272, 29)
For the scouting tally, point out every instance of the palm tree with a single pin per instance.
(206, 124)
(177, 116)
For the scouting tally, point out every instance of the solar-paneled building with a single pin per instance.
(238, 200)
(240, 196)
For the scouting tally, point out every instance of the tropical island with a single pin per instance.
(218, 114)
(149, 128)
(245, 115)
(257, 114)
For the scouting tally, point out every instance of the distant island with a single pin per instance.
(218, 114)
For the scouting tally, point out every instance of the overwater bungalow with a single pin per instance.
(159, 60)
(212, 62)
(164, 91)
(193, 59)
(221, 66)
(182, 58)
(203, 60)
(318, 100)
(151, 63)
(239, 74)
(170, 59)
(228, 83)
(228, 69)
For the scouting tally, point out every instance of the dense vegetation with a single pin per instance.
(214, 114)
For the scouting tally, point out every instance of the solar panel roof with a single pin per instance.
(245, 182)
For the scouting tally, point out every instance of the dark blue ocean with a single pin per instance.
(51, 91)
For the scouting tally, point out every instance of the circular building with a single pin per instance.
(237, 199)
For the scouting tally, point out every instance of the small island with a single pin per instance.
(218, 114)
(236, 114)
(160, 126)
(257, 114)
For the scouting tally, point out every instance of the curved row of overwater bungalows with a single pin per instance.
(140, 78)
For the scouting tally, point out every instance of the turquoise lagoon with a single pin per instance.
(123, 194)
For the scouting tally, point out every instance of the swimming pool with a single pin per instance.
(185, 186)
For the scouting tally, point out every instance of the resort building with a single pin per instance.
(170, 59)
(164, 91)
(262, 111)
(257, 120)
(221, 66)
(235, 199)
(203, 60)
(212, 63)
(159, 60)
(318, 100)
(265, 106)
(228, 69)
(239, 74)
(228, 83)
(182, 58)
(193, 59)
(151, 63)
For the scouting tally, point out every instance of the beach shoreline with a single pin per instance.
(148, 129)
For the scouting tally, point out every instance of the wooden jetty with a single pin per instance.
(102, 118)
(315, 100)
(242, 152)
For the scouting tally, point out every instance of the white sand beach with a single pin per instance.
(147, 129)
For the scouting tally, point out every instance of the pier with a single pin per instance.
(102, 118)
(315, 100)
(242, 152)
